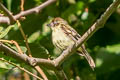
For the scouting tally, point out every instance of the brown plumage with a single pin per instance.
(63, 35)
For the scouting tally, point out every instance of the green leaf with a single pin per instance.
(5, 65)
(91, 1)
(106, 61)
(33, 37)
(114, 48)
(23, 48)
(1, 28)
(38, 2)
(84, 16)
(5, 32)
(39, 51)
(80, 5)
(9, 2)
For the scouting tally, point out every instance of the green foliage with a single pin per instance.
(107, 61)
(4, 65)
(3, 33)
(104, 45)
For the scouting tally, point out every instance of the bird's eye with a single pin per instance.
(55, 23)
(48, 25)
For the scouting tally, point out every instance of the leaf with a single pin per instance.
(106, 61)
(84, 16)
(23, 48)
(1, 28)
(33, 37)
(9, 2)
(5, 32)
(5, 65)
(39, 51)
(38, 2)
(114, 48)
(91, 1)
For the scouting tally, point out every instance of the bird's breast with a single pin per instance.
(60, 39)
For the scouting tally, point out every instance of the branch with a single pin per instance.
(39, 69)
(22, 5)
(21, 69)
(4, 19)
(8, 13)
(70, 50)
(23, 57)
(25, 38)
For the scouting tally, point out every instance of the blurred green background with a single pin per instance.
(103, 46)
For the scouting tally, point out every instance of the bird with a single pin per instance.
(63, 35)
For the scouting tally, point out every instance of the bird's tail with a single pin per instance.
(82, 51)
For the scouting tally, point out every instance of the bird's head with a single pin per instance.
(56, 22)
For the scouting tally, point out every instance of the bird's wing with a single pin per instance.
(69, 31)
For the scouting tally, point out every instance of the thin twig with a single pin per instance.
(22, 5)
(26, 76)
(29, 51)
(21, 69)
(34, 72)
(17, 46)
(25, 38)
(27, 12)
(8, 13)
(13, 42)
(41, 72)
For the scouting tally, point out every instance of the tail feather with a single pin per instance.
(87, 56)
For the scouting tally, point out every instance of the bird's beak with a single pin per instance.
(50, 25)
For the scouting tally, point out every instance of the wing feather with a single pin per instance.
(69, 31)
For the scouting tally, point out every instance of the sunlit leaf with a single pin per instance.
(1, 28)
(72, 1)
(5, 65)
(106, 62)
(38, 2)
(5, 32)
(84, 16)
(114, 48)
(9, 3)
(34, 37)
(39, 51)
(92, 1)
(23, 48)
(80, 5)
(99, 62)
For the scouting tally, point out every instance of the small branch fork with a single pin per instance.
(8, 13)
(12, 18)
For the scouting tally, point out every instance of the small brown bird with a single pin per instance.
(63, 35)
